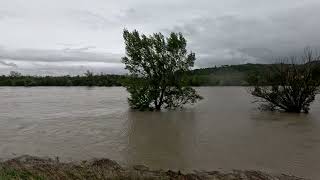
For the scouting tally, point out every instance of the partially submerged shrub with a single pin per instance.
(157, 66)
(290, 85)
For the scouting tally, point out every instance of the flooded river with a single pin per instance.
(224, 131)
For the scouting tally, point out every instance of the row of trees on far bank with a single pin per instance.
(227, 75)
(88, 79)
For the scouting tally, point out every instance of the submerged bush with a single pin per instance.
(290, 85)
(158, 67)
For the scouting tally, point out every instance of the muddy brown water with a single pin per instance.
(224, 131)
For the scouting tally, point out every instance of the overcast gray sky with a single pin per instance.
(70, 36)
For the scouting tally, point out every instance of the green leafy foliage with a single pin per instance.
(158, 68)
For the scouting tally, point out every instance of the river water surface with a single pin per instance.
(224, 131)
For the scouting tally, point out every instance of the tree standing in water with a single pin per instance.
(157, 67)
(290, 86)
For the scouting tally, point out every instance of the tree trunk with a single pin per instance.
(158, 107)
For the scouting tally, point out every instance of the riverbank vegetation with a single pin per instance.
(290, 86)
(226, 75)
(87, 79)
(34, 168)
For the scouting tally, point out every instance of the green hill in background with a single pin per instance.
(235, 75)
(227, 75)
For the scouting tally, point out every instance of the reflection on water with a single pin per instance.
(225, 130)
(165, 139)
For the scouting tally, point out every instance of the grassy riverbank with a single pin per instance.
(33, 168)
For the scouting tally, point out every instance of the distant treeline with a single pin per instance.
(236, 75)
(88, 79)
(227, 75)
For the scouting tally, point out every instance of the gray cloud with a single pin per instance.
(68, 36)
(79, 49)
(10, 64)
(237, 39)
(67, 54)
(70, 61)
(90, 19)
(4, 14)
(66, 70)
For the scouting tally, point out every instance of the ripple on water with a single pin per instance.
(225, 130)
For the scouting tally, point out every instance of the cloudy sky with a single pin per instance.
(57, 37)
